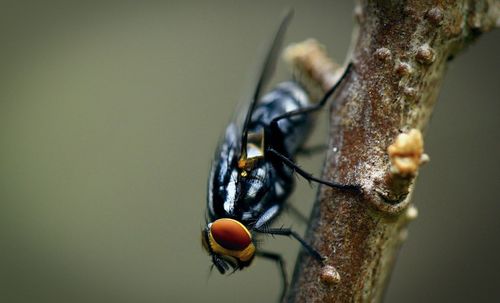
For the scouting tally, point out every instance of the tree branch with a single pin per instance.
(400, 56)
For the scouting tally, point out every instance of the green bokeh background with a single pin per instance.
(109, 115)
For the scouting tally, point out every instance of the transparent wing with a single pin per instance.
(266, 71)
(244, 114)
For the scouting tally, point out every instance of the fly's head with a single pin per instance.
(229, 243)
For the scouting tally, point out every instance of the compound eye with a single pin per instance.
(230, 234)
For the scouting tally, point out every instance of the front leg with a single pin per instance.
(290, 233)
(278, 259)
(315, 107)
(308, 176)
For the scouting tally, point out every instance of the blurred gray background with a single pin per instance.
(109, 115)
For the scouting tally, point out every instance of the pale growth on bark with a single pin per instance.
(407, 153)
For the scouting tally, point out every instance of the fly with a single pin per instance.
(252, 174)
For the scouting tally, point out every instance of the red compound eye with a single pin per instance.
(230, 234)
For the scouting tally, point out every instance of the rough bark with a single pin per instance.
(401, 50)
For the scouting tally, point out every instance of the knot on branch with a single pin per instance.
(329, 275)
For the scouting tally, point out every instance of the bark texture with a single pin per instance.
(401, 50)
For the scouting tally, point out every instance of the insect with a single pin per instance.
(252, 174)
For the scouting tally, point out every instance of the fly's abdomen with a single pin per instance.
(286, 97)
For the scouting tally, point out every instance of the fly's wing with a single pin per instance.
(231, 146)
(266, 71)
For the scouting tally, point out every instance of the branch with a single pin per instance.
(400, 57)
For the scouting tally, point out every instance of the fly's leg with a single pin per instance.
(274, 129)
(310, 150)
(290, 233)
(295, 212)
(278, 259)
(308, 176)
(312, 108)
